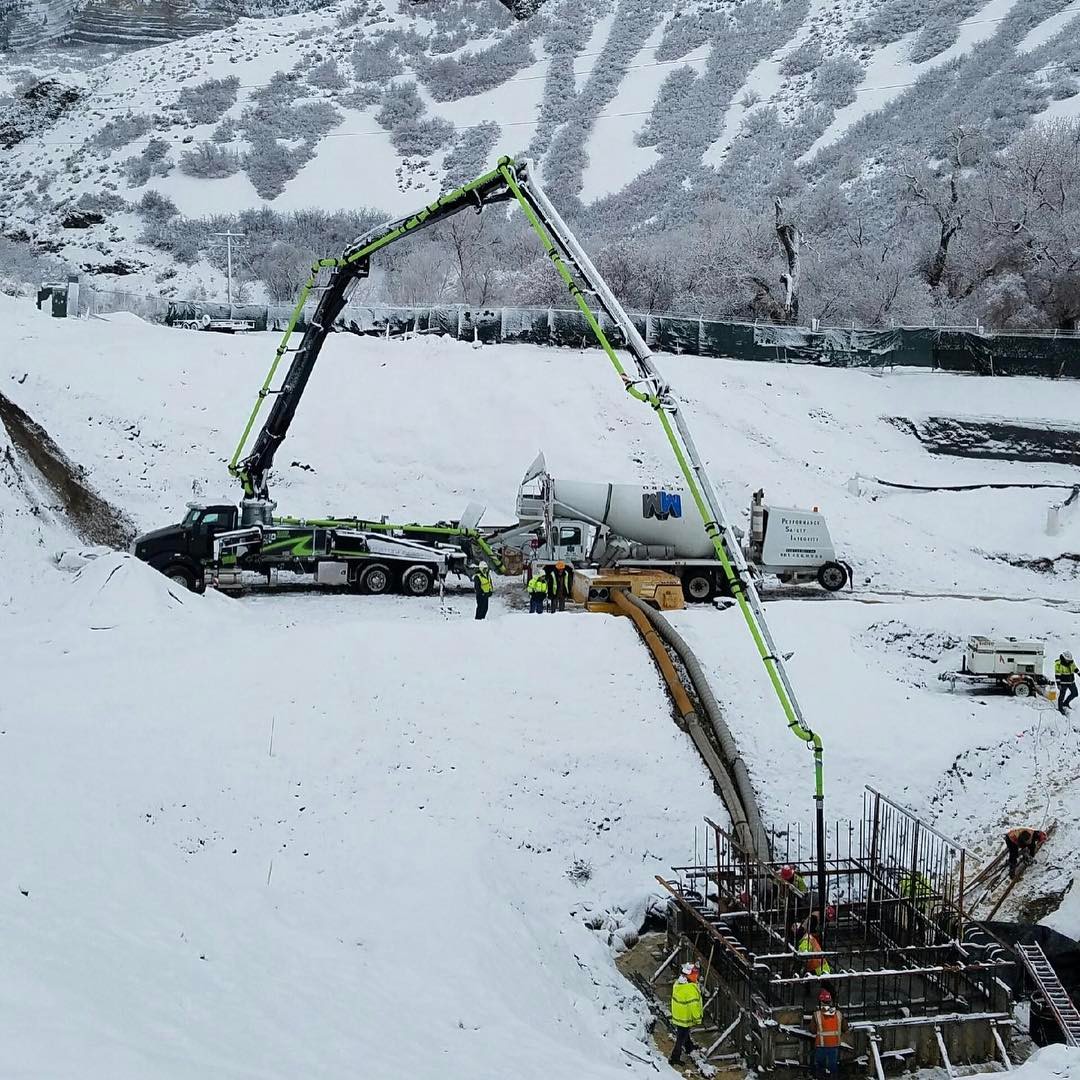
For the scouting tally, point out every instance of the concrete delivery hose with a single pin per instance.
(730, 775)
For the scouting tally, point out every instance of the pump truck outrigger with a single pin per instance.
(509, 180)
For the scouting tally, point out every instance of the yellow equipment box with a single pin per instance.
(656, 587)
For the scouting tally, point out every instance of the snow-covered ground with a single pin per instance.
(317, 835)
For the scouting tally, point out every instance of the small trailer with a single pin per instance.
(1008, 664)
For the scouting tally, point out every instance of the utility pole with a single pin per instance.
(229, 238)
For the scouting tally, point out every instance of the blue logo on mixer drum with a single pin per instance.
(661, 505)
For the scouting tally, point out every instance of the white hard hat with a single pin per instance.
(483, 565)
(1066, 655)
(687, 968)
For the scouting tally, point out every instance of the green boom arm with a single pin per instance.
(512, 180)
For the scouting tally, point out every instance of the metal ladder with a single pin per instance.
(1045, 978)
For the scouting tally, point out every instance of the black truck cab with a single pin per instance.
(181, 551)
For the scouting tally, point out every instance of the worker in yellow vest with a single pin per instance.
(559, 581)
(537, 590)
(1065, 677)
(483, 588)
(828, 1025)
(686, 1010)
(810, 943)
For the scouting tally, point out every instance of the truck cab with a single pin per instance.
(181, 551)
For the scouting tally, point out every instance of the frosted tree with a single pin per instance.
(939, 192)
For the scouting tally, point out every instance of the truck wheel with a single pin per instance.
(417, 581)
(377, 580)
(832, 577)
(182, 575)
(1021, 689)
(698, 587)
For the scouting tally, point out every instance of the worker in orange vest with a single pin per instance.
(828, 1025)
(1022, 842)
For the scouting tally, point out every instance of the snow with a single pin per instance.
(365, 896)
(255, 827)
(614, 158)
(1057, 1061)
(1049, 28)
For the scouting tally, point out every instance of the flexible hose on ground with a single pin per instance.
(758, 838)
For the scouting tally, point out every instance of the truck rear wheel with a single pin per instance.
(376, 580)
(417, 581)
(832, 577)
(180, 574)
(1022, 688)
(698, 587)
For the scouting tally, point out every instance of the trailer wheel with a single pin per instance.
(376, 580)
(1022, 689)
(417, 581)
(698, 587)
(832, 577)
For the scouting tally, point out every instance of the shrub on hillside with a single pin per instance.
(401, 105)
(152, 161)
(121, 130)
(452, 77)
(936, 36)
(208, 102)
(270, 165)
(101, 202)
(155, 207)
(374, 62)
(471, 153)
(225, 132)
(326, 76)
(208, 161)
(421, 138)
(362, 97)
(835, 81)
(801, 61)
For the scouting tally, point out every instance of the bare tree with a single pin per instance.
(940, 192)
(790, 240)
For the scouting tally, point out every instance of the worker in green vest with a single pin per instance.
(917, 889)
(1065, 677)
(537, 590)
(483, 588)
(686, 1011)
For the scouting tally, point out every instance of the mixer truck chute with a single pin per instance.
(631, 526)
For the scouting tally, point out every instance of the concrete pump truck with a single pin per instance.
(223, 540)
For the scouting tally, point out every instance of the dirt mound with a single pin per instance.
(93, 519)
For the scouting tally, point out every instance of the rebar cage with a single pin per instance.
(888, 942)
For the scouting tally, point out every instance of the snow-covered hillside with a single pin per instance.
(250, 830)
(637, 109)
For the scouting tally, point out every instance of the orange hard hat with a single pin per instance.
(560, 565)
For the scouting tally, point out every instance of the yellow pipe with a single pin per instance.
(660, 654)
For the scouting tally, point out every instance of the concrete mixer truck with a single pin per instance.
(627, 525)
